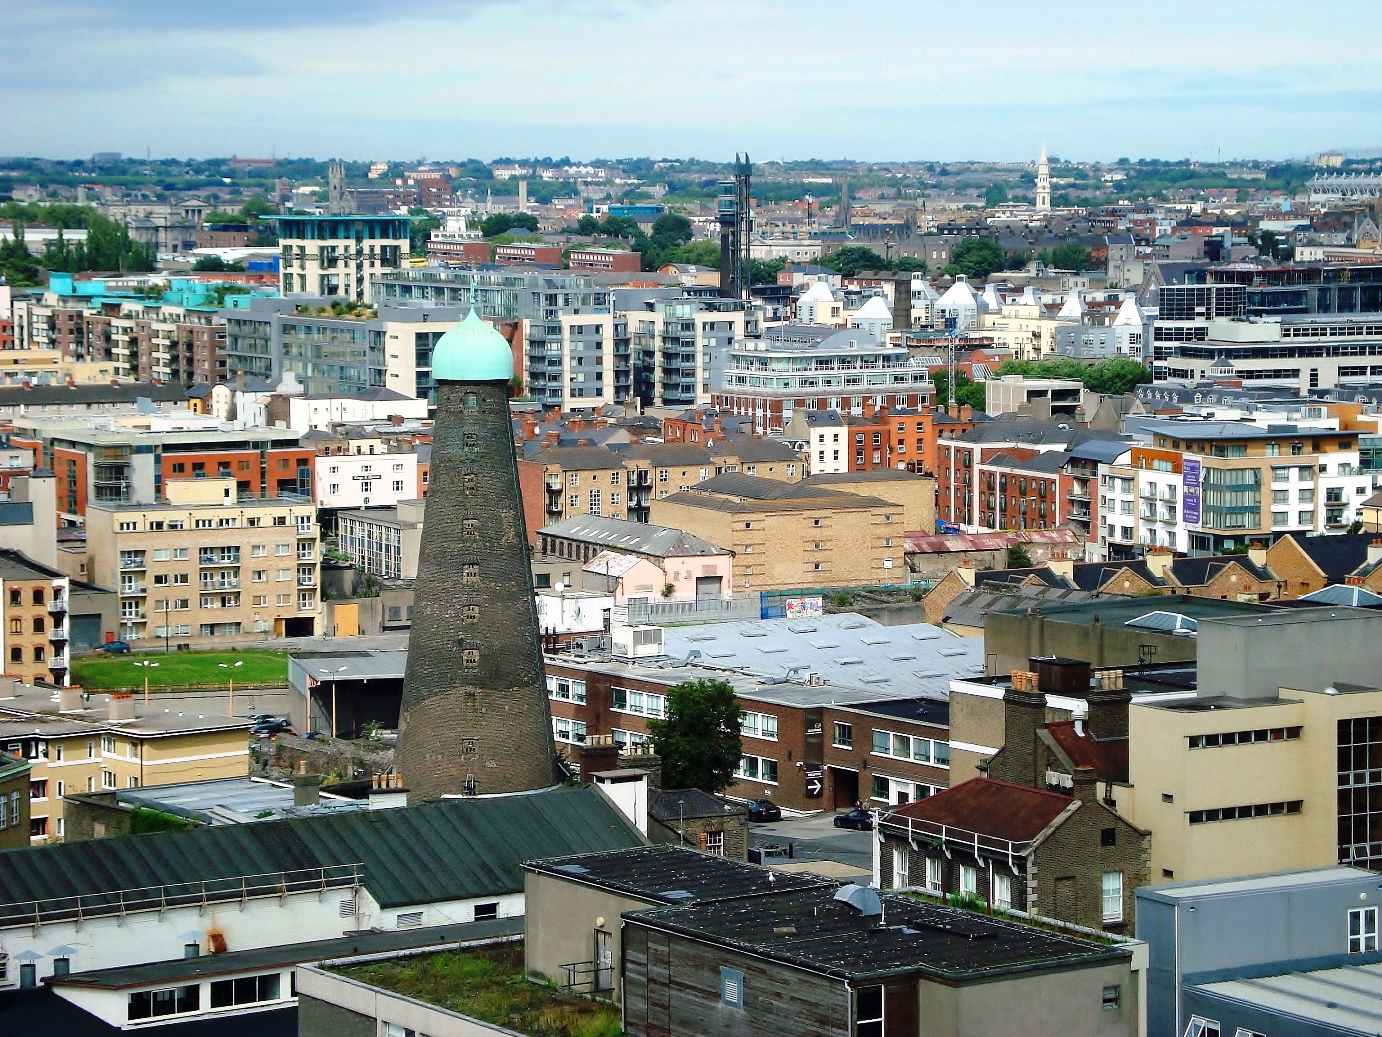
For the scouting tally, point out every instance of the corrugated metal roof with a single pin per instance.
(448, 850)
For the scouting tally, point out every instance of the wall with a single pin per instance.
(561, 919)
(734, 826)
(778, 999)
(1247, 659)
(1056, 1004)
(330, 1005)
(1016, 637)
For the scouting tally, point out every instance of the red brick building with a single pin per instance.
(615, 260)
(523, 253)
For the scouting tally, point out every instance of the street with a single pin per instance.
(815, 838)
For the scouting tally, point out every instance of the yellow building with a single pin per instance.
(786, 536)
(207, 567)
(103, 743)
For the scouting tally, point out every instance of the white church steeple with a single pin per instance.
(1043, 182)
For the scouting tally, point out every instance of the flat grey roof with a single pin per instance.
(349, 666)
(859, 660)
(1345, 999)
(217, 801)
(1281, 880)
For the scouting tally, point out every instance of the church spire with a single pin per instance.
(1043, 182)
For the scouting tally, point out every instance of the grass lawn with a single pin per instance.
(487, 983)
(177, 670)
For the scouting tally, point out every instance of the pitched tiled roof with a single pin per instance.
(1338, 555)
(1092, 576)
(1108, 757)
(1196, 572)
(994, 808)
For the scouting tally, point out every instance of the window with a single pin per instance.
(564, 730)
(107, 779)
(758, 768)
(934, 873)
(731, 988)
(151, 1004)
(868, 1011)
(1111, 892)
(486, 911)
(565, 690)
(246, 990)
(900, 869)
(969, 881)
(1362, 930)
(1002, 890)
(713, 843)
(1199, 817)
(1267, 734)
(180, 554)
(1200, 1027)
(1113, 996)
(759, 725)
(844, 735)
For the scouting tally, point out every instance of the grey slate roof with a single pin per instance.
(89, 394)
(446, 850)
(970, 608)
(634, 537)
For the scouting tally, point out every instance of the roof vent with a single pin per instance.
(863, 899)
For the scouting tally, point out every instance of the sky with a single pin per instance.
(874, 80)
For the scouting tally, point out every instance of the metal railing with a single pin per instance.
(120, 902)
(700, 610)
(920, 830)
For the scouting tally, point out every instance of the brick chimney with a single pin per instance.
(966, 413)
(1108, 712)
(1023, 713)
(1375, 550)
(1085, 785)
(869, 410)
(599, 753)
(953, 409)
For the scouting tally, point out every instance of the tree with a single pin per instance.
(763, 271)
(976, 258)
(968, 393)
(501, 222)
(587, 225)
(699, 739)
(1017, 557)
(1115, 376)
(995, 194)
(697, 253)
(215, 264)
(849, 260)
(1068, 256)
(18, 267)
(419, 227)
(910, 265)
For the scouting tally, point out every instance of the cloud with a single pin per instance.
(888, 79)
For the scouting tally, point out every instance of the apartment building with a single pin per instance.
(563, 482)
(109, 462)
(680, 343)
(98, 743)
(843, 442)
(208, 566)
(1241, 483)
(340, 256)
(383, 541)
(370, 480)
(14, 795)
(610, 259)
(786, 536)
(34, 631)
(1023, 488)
(1301, 352)
(800, 368)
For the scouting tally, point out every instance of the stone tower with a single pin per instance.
(335, 188)
(1043, 183)
(475, 719)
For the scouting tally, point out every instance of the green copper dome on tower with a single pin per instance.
(472, 351)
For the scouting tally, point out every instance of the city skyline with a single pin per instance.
(882, 83)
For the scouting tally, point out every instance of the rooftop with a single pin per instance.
(1173, 892)
(666, 874)
(858, 660)
(994, 808)
(1345, 999)
(1118, 610)
(635, 537)
(808, 928)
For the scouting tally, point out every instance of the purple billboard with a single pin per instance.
(1190, 511)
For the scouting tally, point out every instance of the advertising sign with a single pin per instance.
(1191, 506)
(802, 608)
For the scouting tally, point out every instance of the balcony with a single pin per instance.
(127, 564)
(307, 581)
(57, 606)
(58, 635)
(220, 585)
(133, 590)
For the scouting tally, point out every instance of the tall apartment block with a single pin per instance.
(339, 256)
(475, 718)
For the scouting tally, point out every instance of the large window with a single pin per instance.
(868, 1012)
(150, 1004)
(565, 730)
(246, 990)
(843, 736)
(911, 747)
(758, 768)
(1362, 930)
(900, 867)
(1200, 817)
(565, 690)
(1111, 894)
(644, 704)
(759, 725)
(1002, 890)
(1360, 791)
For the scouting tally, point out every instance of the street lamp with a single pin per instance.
(231, 678)
(331, 676)
(145, 665)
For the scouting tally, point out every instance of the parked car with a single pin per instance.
(116, 647)
(262, 718)
(858, 819)
(764, 810)
(271, 727)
